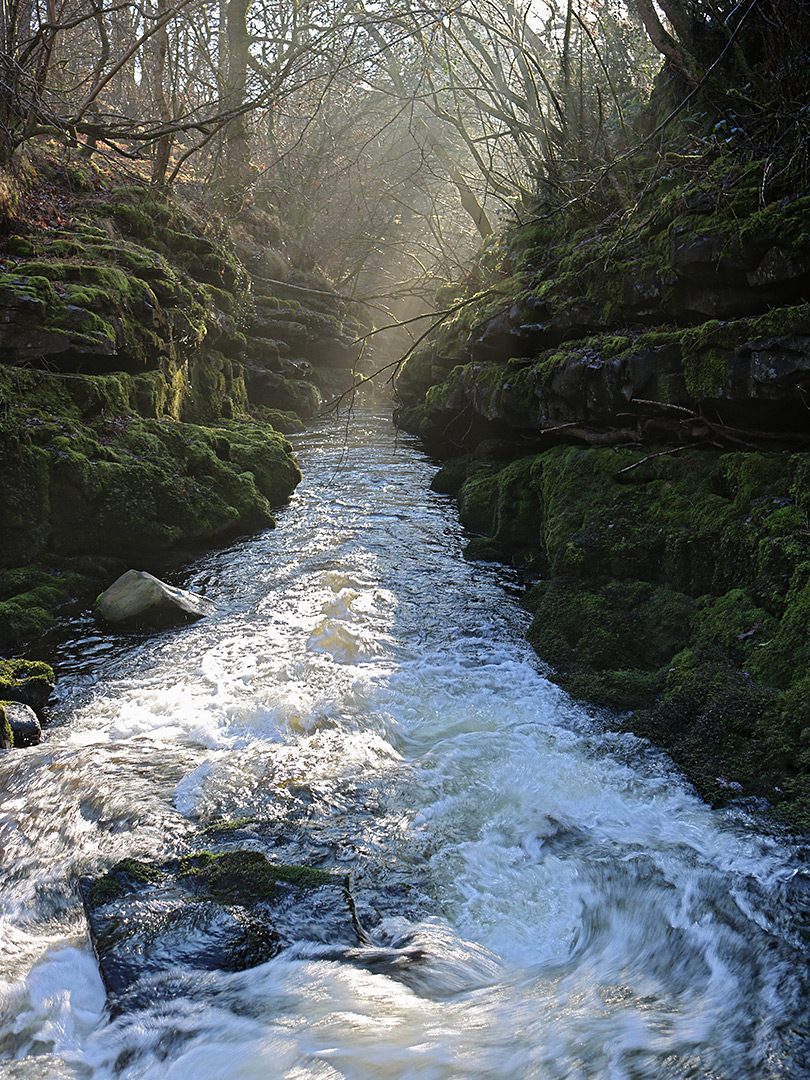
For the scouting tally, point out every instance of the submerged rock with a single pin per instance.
(138, 597)
(153, 924)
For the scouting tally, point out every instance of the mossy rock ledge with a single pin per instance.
(155, 924)
(621, 412)
(151, 364)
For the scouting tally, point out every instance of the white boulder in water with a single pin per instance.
(138, 597)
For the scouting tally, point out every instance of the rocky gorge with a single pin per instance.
(619, 394)
(618, 397)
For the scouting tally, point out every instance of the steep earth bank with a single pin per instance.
(151, 360)
(622, 400)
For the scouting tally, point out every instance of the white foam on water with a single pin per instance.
(568, 909)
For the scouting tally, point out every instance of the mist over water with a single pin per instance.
(541, 898)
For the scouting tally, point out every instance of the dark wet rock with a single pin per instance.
(296, 334)
(641, 290)
(153, 925)
(484, 549)
(754, 372)
(578, 316)
(25, 727)
(138, 597)
(777, 267)
(265, 352)
(699, 202)
(500, 339)
(695, 253)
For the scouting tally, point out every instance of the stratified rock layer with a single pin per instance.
(624, 414)
(149, 366)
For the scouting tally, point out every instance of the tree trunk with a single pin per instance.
(237, 139)
(159, 49)
(676, 52)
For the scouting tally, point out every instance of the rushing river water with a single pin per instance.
(543, 899)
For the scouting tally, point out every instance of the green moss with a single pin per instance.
(503, 504)
(618, 689)
(90, 276)
(783, 655)
(19, 246)
(15, 672)
(247, 877)
(547, 364)
(483, 549)
(288, 423)
(267, 456)
(31, 287)
(121, 485)
(713, 719)
(6, 734)
(121, 879)
(779, 322)
(705, 358)
(599, 638)
(24, 618)
(216, 828)
(276, 304)
(449, 479)
(782, 224)
(613, 345)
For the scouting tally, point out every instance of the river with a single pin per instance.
(544, 898)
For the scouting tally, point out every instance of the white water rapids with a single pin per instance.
(544, 899)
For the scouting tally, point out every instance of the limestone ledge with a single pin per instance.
(150, 366)
(686, 314)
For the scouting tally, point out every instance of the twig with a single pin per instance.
(649, 457)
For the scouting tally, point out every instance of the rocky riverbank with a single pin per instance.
(151, 362)
(621, 400)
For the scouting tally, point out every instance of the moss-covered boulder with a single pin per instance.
(125, 486)
(34, 596)
(25, 688)
(154, 925)
(25, 727)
